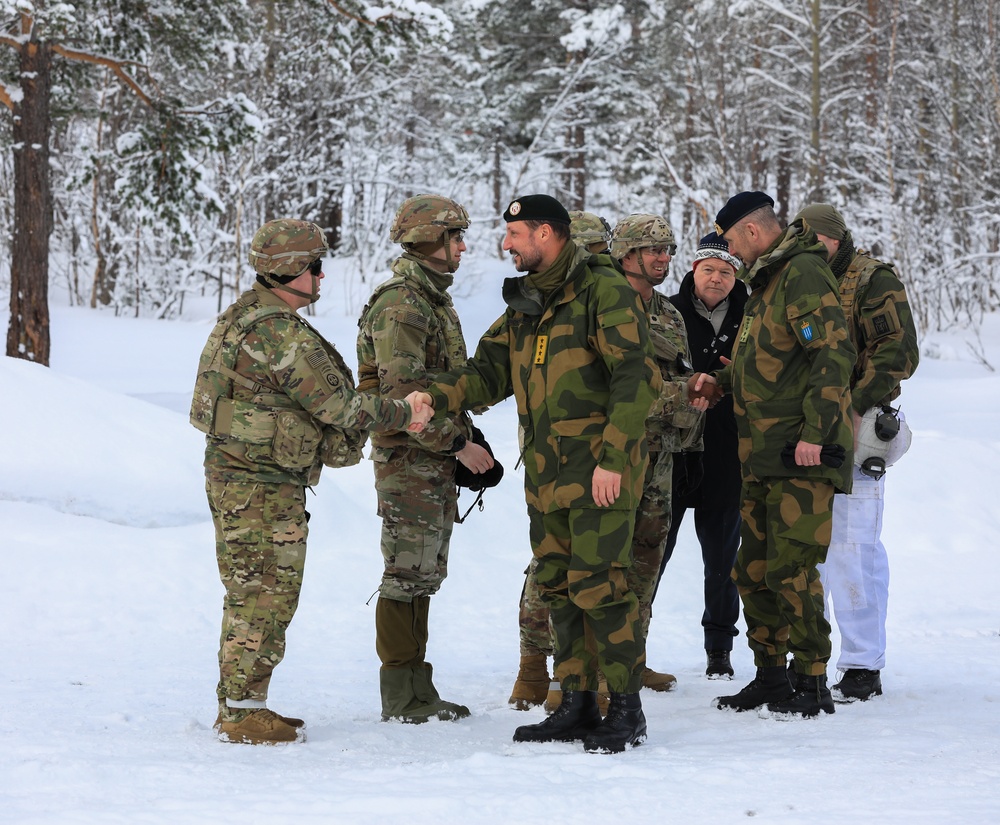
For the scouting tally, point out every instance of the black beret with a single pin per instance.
(738, 207)
(543, 208)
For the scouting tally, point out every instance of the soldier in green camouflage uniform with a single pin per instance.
(276, 402)
(789, 379)
(573, 348)
(409, 330)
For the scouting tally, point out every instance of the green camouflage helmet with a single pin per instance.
(639, 231)
(285, 247)
(426, 218)
(586, 228)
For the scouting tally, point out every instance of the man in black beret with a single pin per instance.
(789, 376)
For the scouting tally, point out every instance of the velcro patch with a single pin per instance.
(881, 325)
(320, 363)
(415, 319)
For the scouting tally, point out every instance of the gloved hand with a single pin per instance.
(689, 470)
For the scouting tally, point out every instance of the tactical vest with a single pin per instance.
(672, 430)
(270, 423)
(859, 274)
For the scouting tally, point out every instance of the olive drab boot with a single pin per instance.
(623, 727)
(575, 718)
(532, 683)
(770, 685)
(257, 726)
(810, 697)
(408, 694)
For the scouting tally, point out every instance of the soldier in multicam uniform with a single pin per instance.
(276, 402)
(856, 572)
(573, 348)
(789, 378)
(409, 330)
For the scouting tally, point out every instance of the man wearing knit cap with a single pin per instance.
(573, 348)
(789, 376)
(711, 301)
(856, 572)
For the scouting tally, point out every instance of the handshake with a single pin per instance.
(421, 410)
(704, 391)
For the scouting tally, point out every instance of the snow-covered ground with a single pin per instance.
(111, 607)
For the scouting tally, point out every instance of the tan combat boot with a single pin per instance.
(532, 682)
(257, 726)
(658, 681)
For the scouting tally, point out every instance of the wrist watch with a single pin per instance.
(458, 444)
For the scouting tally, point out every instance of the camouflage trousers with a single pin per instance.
(417, 500)
(786, 533)
(582, 557)
(652, 523)
(260, 544)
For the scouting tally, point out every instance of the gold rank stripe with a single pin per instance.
(540, 346)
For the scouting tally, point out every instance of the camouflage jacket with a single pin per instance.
(882, 330)
(582, 370)
(408, 331)
(674, 426)
(792, 362)
(294, 368)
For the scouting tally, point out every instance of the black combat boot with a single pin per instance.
(857, 684)
(810, 697)
(719, 666)
(624, 726)
(576, 716)
(770, 685)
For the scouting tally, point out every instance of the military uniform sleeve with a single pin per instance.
(483, 381)
(814, 314)
(887, 340)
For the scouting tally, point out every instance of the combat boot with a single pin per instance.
(658, 681)
(857, 685)
(719, 666)
(623, 727)
(409, 696)
(770, 685)
(575, 718)
(423, 687)
(257, 726)
(532, 683)
(810, 697)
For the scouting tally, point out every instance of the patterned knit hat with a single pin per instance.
(712, 246)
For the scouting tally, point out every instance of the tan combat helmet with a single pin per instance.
(428, 219)
(283, 249)
(641, 231)
(589, 230)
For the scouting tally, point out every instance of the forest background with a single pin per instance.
(144, 142)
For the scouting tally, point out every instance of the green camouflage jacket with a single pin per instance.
(581, 368)
(408, 331)
(882, 329)
(674, 426)
(792, 362)
(295, 369)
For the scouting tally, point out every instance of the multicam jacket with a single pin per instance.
(290, 368)
(882, 329)
(582, 370)
(408, 331)
(674, 426)
(792, 362)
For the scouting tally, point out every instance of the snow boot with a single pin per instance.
(658, 681)
(423, 687)
(857, 685)
(532, 684)
(770, 685)
(623, 727)
(719, 666)
(408, 695)
(257, 726)
(810, 697)
(575, 718)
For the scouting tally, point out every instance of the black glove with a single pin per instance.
(464, 477)
(689, 470)
(832, 455)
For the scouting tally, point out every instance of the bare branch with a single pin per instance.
(116, 66)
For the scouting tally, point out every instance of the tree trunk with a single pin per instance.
(28, 333)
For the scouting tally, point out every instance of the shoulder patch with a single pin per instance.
(415, 319)
(321, 364)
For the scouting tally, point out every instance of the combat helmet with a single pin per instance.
(640, 231)
(587, 229)
(283, 249)
(428, 219)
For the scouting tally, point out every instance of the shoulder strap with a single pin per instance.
(241, 327)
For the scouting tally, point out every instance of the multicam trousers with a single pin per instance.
(582, 560)
(260, 541)
(417, 500)
(786, 533)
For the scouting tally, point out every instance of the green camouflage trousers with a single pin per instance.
(260, 544)
(417, 500)
(652, 523)
(786, 532)
(582, 557)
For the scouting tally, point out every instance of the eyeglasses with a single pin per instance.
(656, 251)
(316, 267)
